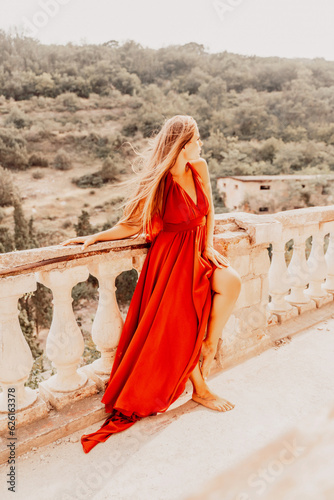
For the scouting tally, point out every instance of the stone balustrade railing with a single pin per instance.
(272, 293)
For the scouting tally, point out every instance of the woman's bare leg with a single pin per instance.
(226, 284)
(222, 306)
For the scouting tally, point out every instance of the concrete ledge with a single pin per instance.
(38, 410)
(101, 381)
(73, 417)
(286, 315)
(302, 322)
(61, 399)
(227, 357)
(290, 467)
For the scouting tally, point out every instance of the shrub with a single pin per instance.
(68, 102)
(126, 82)
(17, 118)
(109, 170)
(84, 226)
(38, 134)
(85, 290)
(6, 240)
(102, 146)
(66, 224)
(115, 201)
(89, 180)
(37, 160)
(8, 191)
(108, 173)
(130, 128)
(38, 175)
(13, 153)
(62, 161)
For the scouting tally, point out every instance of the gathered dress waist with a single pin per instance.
(184, 226)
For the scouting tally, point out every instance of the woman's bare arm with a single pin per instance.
(209, 251)
(118, 232)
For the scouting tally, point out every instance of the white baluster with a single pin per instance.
(65, 343)
(316, 264)
(108, 322)
(329, 257)
(279, 282)
(16, 359)
(138, 262)
(298, 272)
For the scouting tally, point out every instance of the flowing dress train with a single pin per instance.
(161, 338)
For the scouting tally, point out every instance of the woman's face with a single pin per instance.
(193, 147)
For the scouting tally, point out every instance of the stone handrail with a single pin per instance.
(271, 294)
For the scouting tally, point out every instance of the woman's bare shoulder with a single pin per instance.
(201, 168)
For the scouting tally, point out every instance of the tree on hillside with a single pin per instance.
(84, 227)
(6, 240)
(24, 234)
(7, 189)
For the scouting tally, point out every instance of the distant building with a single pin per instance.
(274, 193)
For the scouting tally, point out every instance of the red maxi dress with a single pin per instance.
(160, 343)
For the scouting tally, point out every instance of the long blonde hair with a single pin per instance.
(160, 157)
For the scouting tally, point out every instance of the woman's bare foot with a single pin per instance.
(211, 400)
(208, 351)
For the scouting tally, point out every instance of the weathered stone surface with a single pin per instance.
(110, 249)
(252, 317)
(302, 308)
(13, 286)
(76, 415)
(231, 352)
(259, 228)
(323, 300)
(260, 262)
(99, 379)
(286, 315)
(35, 412)
(298, 323)
(250, 293)
(265, 288)
(232, 242)
(271, 318)
(305, 216)
(326, 227)
(61, 399)
(240, 263)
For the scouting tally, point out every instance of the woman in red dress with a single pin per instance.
(186, 290)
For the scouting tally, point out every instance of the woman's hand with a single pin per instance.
(210, 253)
(86, 240)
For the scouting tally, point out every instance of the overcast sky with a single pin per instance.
(285, 28)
